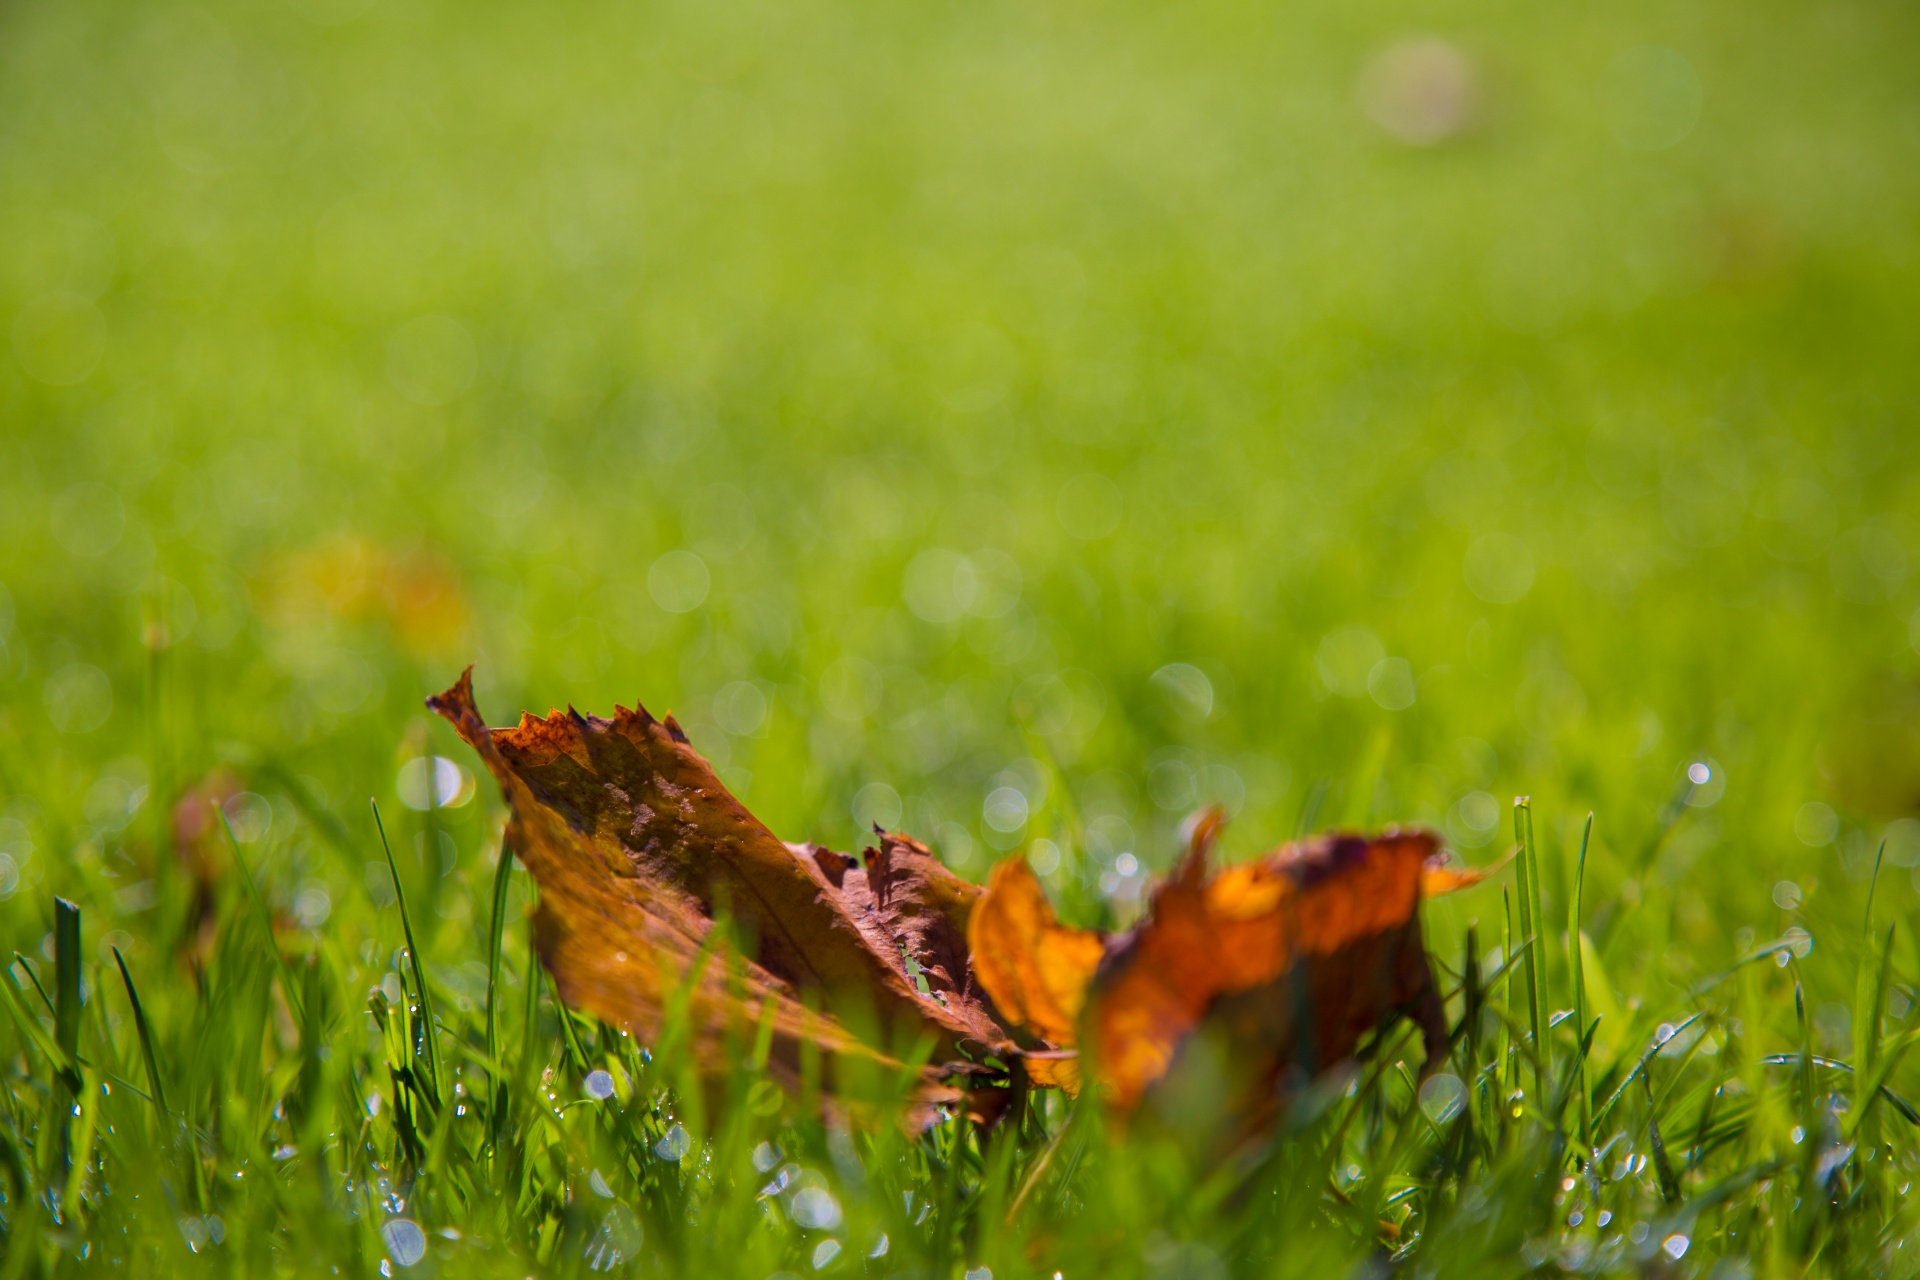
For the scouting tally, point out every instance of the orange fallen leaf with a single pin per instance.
(1291, 958)
(639, 849)
(1036, 969)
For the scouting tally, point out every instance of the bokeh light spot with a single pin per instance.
(433, 782)
(1390, 682)
(740, 708)
(1422, 91)
(87, 519)
(1816, 824)
(1346, 658)
(877, 805)
(78, 698)
(678, 581)
(406, 1242)
(1902, 842)
(249, 816)
(1499, 568)
(1186, 689)
(1005, 809)
(1442, 1096)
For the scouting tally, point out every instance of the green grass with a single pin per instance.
(925, 402)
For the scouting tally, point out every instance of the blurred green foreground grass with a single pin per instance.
(1016, 424)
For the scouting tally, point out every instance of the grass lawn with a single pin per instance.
(1019, 425)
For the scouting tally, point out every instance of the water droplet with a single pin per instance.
(600, 1085)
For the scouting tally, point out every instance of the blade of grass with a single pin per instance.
(1662, 1164)
(29, 1026)
(1364, 783)
(1530, 923)
(145, 1032)
(66, 1035)
(530, 1024)
(261, 913)
(496, 936)
(27, 968)
(428, 1039)
(1639, 1068)
(1873, 885)
(1870, 998)
(1577, 967)
(1509, 1069)
(66, 978)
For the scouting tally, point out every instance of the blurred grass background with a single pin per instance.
(1012, 422)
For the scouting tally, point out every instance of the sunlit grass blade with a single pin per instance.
(1576, 965)
(1662, 1164)
(1530, 926)
(27, 968)
(29, 1026)
(145, 1033)
(1639, 1069)
(56, 1160)
(1871, 986)
(530, 1023)
(429, 1038)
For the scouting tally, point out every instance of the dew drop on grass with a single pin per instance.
(1675, 1246)
(824, 1252)
(599, 1085)
(765, 1156)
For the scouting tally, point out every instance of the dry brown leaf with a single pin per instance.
(1036, 969)
(638, 849)
(1287, 960)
